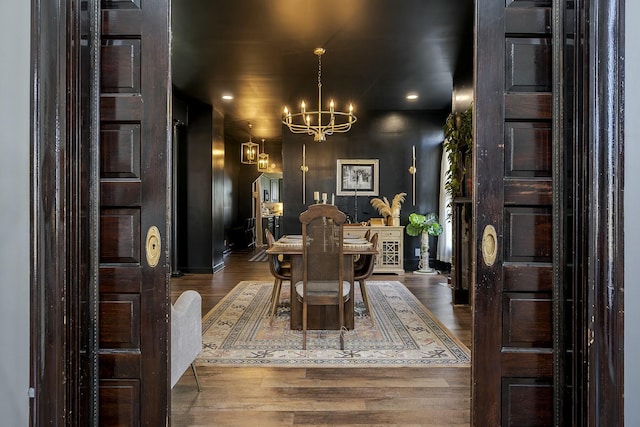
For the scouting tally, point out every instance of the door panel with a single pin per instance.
(513, 322)
(134, 148)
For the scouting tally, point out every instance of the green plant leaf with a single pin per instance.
(424, 223)
(458, 144)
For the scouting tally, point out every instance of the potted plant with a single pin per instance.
(424, 226)
(458, 144)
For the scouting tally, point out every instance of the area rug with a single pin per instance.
(259, 256)
(236, 332)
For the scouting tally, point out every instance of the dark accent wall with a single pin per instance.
(232, 189)
(219, 194)
(199, 213)
(214, 188)
(387, 136)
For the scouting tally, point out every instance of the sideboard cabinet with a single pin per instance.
(390, 257)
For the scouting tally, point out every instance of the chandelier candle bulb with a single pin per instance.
(316, 195)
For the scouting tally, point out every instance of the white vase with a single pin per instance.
(423, 265)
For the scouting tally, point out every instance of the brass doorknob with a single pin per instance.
(153, 246)
(489, 245)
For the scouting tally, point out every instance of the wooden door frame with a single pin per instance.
(595, 369)
(603, 121)
(61, 240)
(56, 232)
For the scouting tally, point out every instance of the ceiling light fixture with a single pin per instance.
(249, 151)
(227, 97)
(263, 159)
(412, 96)
(303, 122)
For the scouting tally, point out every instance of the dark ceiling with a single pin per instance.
(261, 51)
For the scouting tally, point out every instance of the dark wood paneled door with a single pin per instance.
(134, 194)
(513, 215)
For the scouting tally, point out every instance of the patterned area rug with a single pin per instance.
(236, 332)
(259, 256)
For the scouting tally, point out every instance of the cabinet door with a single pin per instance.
(275, 190)
(276, 227)
(390, 247)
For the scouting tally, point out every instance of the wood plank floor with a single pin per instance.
(262, 396)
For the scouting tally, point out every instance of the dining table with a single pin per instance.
(321, 317)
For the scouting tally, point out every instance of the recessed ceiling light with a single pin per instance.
(412, 96)
(227, 97)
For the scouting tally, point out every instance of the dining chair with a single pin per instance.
(363, 272)
(359, 261)
(280, 270)
(323, 264)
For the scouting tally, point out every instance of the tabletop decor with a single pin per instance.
(391, 212)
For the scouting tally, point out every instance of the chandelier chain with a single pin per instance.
(319, 71)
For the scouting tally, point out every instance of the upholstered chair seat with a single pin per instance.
(186, 334)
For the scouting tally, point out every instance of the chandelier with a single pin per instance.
(320, 123)
(249, 151)
(263, 159)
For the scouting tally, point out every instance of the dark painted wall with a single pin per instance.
(232, 190)
(215, 188)
(201, 192)
(219, 197)
(387, 136)
(197, 207)
(180, 113)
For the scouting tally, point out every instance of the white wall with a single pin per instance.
(14, 211)
(631, 214)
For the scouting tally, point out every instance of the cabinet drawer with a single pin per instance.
(389, 234)
(353, 231)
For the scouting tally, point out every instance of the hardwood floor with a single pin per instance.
(250, 396)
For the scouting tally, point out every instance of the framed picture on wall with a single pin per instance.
(357, 176)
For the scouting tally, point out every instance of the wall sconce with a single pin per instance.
(304, 169)
(412, 171)
(263, 159)
(249, 151)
